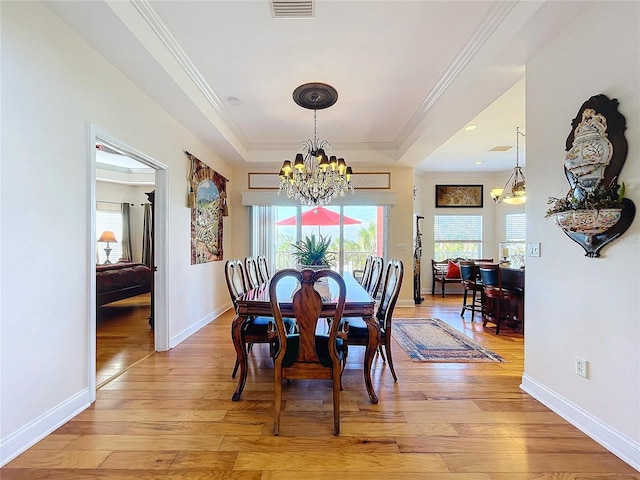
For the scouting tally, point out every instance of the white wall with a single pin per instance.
(53, 87)
(579, 306)
(493, 216)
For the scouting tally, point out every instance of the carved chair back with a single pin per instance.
(251, 272)
(375, 277)
(307, 354)
(234, 275)
(263, 269)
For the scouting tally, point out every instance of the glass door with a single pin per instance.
(355, 232)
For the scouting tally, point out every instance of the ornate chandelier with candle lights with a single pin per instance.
(315, 177)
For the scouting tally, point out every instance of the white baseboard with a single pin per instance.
(27, 436)
(23, 439)
(617, 443)
(182, 336)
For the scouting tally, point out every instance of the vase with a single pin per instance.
(313, 267)
(588, 222)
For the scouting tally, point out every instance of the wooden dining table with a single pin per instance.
(256, 303)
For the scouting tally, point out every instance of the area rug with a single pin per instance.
(432, 340)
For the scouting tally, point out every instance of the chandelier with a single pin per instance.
(315, 178)
(518, 192)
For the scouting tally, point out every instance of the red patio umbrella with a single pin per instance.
(320, 216)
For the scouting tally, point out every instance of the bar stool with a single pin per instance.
(471, 283)
(500, 302)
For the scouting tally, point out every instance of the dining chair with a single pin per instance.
(375, 277)
(472, 285)
(363, 275)
(500, 302)
(263, 269)
(255, 329)
(356, 327)
(251, 272)
(307, 354)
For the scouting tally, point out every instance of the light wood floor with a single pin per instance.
(170, 416)
(123, 336)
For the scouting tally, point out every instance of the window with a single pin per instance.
(513, 250)
(109, 220)
(355, 231)
(457, 236)
(516, 227)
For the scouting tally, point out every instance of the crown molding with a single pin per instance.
(153, 18)
(491, 21)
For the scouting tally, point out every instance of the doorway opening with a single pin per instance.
(128, 189)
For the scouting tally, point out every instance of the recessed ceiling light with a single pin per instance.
(479, 162)
(233, 101)
(470, 127)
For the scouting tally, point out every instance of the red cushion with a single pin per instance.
(453, 270)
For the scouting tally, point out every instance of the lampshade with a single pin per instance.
(514, 199)
(496, 192)
(108, 236)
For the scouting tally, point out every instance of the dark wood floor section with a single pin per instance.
(170, 416)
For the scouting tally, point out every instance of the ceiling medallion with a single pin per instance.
(315, 178)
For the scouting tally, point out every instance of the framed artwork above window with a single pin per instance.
(454, 196)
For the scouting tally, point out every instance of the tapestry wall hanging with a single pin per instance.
(207, 199)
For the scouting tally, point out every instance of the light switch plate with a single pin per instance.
(533, 249)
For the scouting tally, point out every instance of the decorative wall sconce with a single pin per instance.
(594, 212)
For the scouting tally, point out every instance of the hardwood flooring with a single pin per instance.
(170, 416)
(123, 336)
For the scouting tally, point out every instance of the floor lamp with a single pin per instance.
(108, 237)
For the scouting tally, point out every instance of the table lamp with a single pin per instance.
(107, 236)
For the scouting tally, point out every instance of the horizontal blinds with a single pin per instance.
(457, 228)
(516, 227)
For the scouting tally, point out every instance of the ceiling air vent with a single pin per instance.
(501, 148)
(292, 8)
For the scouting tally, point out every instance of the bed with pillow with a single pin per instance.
(117, 281)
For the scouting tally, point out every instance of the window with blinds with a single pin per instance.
(515, 246)
(516, 227)
(109, 220)
(457, 236)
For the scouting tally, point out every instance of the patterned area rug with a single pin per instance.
(432, 340)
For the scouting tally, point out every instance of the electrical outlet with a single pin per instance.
(582, 367)
(401, 246)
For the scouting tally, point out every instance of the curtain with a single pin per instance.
(126, 233)
(147, 237)
(263, 222)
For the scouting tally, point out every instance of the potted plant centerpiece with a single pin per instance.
(313, 253)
